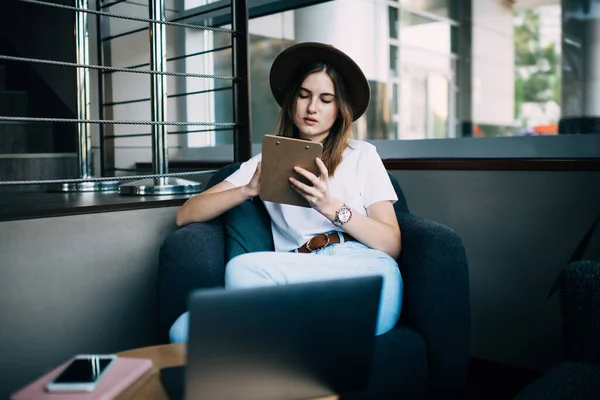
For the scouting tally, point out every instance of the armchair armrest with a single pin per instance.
(191, 257)
(434, 267)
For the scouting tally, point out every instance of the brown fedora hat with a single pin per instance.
(296, 57)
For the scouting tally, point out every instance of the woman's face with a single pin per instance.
(316, 107)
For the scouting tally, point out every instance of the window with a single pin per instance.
(517, 78)
(522, 79)
(394, 22)
(424, 75)
(537, 72)
(416, 41)
(442, 8)
(425, 33)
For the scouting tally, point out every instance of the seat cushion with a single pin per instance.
(399, 367)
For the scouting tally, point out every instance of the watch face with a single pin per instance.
(344, 214)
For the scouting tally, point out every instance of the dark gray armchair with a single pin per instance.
(426, 353)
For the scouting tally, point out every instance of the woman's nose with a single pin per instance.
(311, 107)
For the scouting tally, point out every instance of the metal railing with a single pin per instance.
(160, 181)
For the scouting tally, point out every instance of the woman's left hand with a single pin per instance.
(317, 194)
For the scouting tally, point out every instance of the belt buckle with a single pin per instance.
(325, 245)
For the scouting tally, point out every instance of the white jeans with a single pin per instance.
(342, 260)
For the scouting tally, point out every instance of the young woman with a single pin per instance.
(351, 228)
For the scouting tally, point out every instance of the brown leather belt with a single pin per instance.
(322, 240)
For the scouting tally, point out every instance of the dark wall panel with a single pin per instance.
(519, 229)
(76, 284)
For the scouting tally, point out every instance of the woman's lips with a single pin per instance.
(310, 121)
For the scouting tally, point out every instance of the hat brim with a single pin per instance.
(295, 57)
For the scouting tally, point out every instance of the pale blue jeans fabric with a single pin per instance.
(342, 260)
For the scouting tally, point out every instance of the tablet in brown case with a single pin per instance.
(279, 156)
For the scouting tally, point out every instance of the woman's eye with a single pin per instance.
(303, 96)
(326, 101)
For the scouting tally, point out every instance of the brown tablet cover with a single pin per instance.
(117, 378)
(279, 156)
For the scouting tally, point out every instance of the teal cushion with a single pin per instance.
(248, 226)
(247, 229)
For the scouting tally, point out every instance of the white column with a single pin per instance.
(199, 107)
(493, 63)
(357, 27)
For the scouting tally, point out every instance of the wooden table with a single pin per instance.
(149, 386)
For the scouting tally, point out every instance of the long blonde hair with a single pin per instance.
(341, 130)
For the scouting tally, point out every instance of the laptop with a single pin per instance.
(296, 341)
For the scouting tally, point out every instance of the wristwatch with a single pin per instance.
(342, 215)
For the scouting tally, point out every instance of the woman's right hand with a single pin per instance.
(253, 187)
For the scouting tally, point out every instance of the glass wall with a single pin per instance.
(536, 68)
(537, 74)
(442, 8)
(422, 80)
(405, 49)
(269, 36)
(530, 67)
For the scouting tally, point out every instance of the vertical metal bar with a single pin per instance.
(108, 93)
(83, 90)
(464, 69)
(158, 87)
(242, 138)
(84, 137)
(100, 55)
(158, 103)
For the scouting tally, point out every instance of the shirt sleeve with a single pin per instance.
(243, 175)
(378, 186)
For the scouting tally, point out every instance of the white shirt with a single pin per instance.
(360, 180)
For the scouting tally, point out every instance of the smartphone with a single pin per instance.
(82, 374)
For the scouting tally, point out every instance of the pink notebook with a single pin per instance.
(121, 375)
